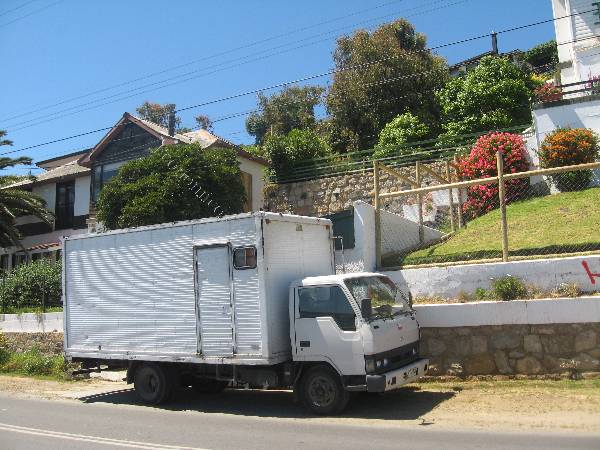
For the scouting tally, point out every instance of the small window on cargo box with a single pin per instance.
(244, 258)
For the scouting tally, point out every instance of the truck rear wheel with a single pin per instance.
(322, 392)
(152, 384)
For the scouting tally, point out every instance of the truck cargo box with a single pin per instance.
(212, 290)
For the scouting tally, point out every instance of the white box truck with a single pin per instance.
(246, 300)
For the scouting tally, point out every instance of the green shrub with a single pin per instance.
(32, 362)
(509, 288)
(32, 285)
(565, 147)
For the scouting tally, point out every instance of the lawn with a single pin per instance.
(562, 223)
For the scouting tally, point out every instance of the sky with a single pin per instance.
(69, 66)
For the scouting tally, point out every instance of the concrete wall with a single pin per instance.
(397, 234)
(82, 196)
(544, 273)
(258, 181)
(31, 323)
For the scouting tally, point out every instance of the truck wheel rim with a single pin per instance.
(322, 392)
(151, 384)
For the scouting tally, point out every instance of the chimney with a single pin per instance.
(172, 124)
(494, 43)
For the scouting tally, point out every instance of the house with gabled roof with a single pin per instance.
(71, 183)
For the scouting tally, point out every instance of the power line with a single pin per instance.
(215, 55)
(17, 8)
(466, 40)
(317, 76)
(177, 79)
(30, 14)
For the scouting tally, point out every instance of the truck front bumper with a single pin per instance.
(396, 378)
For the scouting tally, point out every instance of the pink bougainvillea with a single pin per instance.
(481, 163)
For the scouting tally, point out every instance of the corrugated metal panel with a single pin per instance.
(246, 288)
(214, 300)
(132, 292)
(584, 23)
(292, 251)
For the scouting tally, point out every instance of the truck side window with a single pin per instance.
(327, 301)
(244, 258)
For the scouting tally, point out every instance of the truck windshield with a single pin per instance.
(386, 298)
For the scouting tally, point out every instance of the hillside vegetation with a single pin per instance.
(562, 223)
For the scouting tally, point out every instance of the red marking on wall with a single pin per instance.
(589, 272)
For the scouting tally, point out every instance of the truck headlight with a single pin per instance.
(370, 365)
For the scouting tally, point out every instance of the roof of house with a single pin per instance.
(203, 137)
(66, 171)
(78, 163)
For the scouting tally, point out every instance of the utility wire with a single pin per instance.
(177, 79)
(17, 8)
(317, 76)
(195, 61)
(30, 14)
(268, 88)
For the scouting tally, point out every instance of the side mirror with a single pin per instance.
(365, 308)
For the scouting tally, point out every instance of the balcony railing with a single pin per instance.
(551, 93)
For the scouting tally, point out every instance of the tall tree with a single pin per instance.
(204, 122)
(15, 202)
(292, 108)
(492, 96)
(379, 76)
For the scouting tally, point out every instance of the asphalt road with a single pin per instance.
(247, 420)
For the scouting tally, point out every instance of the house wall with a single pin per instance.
(82, 195)
(258, 181)
(578, 56)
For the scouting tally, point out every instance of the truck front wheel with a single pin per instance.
(322, 392)
(152, 383)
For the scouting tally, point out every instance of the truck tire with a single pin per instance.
(152, 383)
(322, 392)
(208, 386)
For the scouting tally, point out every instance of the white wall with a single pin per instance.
(576, 115)
(398, 234)
(258, 180)
(82, 195)
(452, 280)
(516, 312)
(31, 323)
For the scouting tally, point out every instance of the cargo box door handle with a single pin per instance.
(304, 343)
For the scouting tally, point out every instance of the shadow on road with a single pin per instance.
(408, 403)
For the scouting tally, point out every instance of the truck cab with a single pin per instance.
(351, 332)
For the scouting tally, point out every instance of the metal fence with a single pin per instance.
(512, 216)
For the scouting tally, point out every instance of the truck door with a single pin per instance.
(215, 300)
(325, 329)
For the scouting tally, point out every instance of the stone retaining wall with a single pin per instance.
(513, 349)
(333, 194)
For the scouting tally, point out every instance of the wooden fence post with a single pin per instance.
(419, 203)
(501, 196)
(377, 215)
(460, 212)
(450, 199)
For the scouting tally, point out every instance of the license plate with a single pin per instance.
(412, 372)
